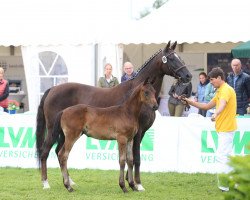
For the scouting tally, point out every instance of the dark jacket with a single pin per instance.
(125, 77)
(179, 88)
(242, 90)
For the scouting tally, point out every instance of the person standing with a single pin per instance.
(175, 105)
(200, 95)
(128, 69)
(240, 81)
(225, 120)
(209, 94)
(108, 80)
(4, 91)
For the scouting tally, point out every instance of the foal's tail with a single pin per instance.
(57, 133)
(40, 127)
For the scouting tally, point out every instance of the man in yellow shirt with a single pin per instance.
(224, 117)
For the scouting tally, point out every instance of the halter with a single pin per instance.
(165, 60)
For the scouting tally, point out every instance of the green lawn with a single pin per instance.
(24, 184)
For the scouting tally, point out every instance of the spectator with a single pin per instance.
(4, 91)
(175, 105)
(108, 80)
(128, 71)
(225, 121)
(240, 81)
(209, 94)
(200, 95)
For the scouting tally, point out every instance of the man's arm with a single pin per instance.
(221, 107)
(203, 106)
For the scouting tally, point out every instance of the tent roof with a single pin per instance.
(194, 21)
(61, 22)
(242, 50)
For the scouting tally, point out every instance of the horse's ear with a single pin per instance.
(146, 81)
(167, 47)
(174, 45)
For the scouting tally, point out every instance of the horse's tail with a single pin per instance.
(40, 127)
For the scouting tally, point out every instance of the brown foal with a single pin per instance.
(112, 123)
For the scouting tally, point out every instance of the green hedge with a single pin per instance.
(239, 178)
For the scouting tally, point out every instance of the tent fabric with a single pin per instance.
(242, 50)
(58, 22)
(73, 23)
(189, 21)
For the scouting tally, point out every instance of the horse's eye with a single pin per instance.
(146, 93)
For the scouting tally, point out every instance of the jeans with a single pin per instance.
(175, 109)
(241, 111)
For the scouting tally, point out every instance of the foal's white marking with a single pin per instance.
(71, 182)
(46, 184)
(140, 187)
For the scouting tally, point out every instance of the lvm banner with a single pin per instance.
(186, 144)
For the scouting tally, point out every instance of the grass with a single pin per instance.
(25, 184)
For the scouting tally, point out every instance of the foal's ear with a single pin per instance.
(146, 81)
(174, 45)
(167, 47)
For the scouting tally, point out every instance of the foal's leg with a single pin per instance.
(122, 143)
(63, 157)
(130, 165)
(61, 141)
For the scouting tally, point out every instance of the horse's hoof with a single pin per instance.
(125, 190)
(135, 189)
(46, 185)
(70, 189)
(140, 188)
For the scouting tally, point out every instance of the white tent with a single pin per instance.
(189, 21)
(77, 22)
(68, 33)
(99, 27)
(45, 22)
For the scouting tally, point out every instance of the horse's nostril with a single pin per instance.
(155, 107)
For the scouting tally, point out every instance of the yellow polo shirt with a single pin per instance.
(226, 120)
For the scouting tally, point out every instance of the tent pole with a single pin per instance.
(96, 62)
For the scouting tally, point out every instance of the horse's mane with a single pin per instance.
(145, 64)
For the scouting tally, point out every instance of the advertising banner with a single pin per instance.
(181, 144)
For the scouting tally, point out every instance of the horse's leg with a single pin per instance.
(130, 165)
(137, 160)
(46, 149)
(122, 143)
(63, 157)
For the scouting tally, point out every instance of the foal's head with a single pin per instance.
(147, 94)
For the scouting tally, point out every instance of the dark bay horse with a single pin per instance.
(57, 98)
(119, 123)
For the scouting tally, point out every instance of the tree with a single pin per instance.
(157, 4)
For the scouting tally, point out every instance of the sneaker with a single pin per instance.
(224, 189)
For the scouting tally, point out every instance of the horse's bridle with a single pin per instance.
(165, 60)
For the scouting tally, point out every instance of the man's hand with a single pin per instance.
(185, 101)
(213, 117)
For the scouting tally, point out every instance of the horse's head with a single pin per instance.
(147, 94)
(173, 65)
